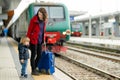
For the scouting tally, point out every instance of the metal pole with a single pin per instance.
(90, 34)
(100, 22)
(0, 9)
(100, 26)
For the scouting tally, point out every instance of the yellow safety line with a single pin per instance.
(41, 76)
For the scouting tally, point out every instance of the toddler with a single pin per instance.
(24, 55)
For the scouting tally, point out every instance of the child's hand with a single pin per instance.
(22, 61)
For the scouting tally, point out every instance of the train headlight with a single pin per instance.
(64, 33)
(68, 32)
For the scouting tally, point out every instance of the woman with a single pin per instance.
(36, 32)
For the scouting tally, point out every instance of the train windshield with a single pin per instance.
(76, 27)
(54, 12)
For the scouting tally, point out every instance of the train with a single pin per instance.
(58, 25)
(76, 29)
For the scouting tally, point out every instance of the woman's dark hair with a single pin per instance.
(44, 12)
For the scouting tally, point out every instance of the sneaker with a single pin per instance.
(25, 75)
(35, 72)
(21, 76)
(37, 69)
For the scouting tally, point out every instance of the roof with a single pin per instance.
(76, 13)
(96, 16)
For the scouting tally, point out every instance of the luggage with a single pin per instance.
(46, 62)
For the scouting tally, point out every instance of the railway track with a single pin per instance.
(76, 72)
(115, 57)
(108, 67)
(103, 50)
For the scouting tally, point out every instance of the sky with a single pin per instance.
(91, 6)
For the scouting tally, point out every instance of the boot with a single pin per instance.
(35, 72)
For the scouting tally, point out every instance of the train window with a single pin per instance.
(76, 27)
(56, 12)
(37, 7)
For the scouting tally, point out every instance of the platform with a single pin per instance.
(96, 40)
(10, 66)
(113, 44)
(7, 67)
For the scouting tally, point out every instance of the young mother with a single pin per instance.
(36, 32)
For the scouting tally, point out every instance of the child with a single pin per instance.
(24, 55)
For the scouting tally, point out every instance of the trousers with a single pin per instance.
(35, 55)
(24, 67)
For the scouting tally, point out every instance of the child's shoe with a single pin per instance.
(25, 75)
(22, 75)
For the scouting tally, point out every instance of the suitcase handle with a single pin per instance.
(45, 45)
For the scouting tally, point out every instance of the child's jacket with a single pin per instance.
(23, 52)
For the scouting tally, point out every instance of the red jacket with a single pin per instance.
(34, 29)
